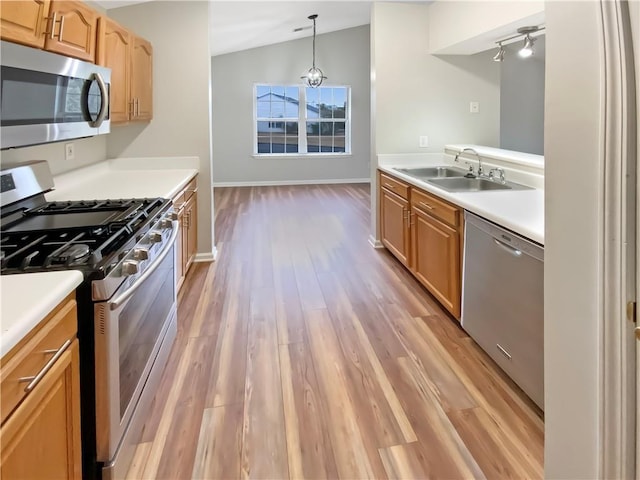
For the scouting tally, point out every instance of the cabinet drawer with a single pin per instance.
(181, 198)
(436, 207)
(29, 357)
(191, 188)
(395, 186)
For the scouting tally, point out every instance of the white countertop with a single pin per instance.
(27, 299)
(116, 179)
(521, 211)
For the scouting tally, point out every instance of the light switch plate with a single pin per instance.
(474, 107)
(424, 141)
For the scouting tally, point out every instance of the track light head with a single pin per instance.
(527, 50)
(499, 57)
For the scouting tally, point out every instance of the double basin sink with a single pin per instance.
(454, 179)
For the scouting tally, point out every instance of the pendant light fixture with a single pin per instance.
(314, 77)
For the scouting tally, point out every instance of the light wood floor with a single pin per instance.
(305, 353)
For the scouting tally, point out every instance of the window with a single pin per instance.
(300, 120)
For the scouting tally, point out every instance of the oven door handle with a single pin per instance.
(116, 303)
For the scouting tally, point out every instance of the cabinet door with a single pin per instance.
(394, 228)
(74, 30)
(114, 52)
(24, 21)
(142, 79)
(436, 259)
(180, 255)
(192, 231)
(41, 439)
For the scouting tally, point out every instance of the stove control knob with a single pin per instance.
(129, 267)
(172, 216)
(166, 223)
(141, 254)
(155, 237)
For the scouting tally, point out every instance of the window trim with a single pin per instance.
(302, 124)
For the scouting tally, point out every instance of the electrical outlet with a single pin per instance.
(69, 151)
(474, 107)
(424, 141)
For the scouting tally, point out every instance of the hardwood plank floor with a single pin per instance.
(302, 352)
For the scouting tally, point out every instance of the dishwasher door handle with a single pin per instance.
(513, 251)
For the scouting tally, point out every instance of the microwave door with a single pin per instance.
(47, 98)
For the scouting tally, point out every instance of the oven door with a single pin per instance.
(133, 333)
(46, 97)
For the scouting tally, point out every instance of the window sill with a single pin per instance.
(301, 155)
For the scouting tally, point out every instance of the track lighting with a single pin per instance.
(527, 49)
(499, 57)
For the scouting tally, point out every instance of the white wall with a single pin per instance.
(342, 55)
(467, 27)
(522, 99)
(418, 94)
(573, 247)
(422, 94)
(181, 126)
(87, 151)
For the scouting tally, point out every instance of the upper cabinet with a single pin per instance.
(62, 26)
(114, 51)
(72, 30)
(24, 21)
(142, 79)
(130, 59)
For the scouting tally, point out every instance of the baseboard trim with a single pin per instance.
(206, 257)
(375, 243)
(292, 182)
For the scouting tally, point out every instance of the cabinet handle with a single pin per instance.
(137, 107)
(388, 185)
(132, 112)
(33, 381)
(53, 26)
(61, 27)
(412, 217)
(426, 205)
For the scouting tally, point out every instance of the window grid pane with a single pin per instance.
(324, 119)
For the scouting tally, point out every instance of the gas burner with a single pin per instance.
(71, 253)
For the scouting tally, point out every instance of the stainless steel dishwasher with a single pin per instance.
(502, 301)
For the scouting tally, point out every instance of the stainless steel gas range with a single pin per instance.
(126, 304)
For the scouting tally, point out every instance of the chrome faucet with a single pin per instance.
(469, 149)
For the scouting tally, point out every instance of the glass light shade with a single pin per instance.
(314, 77)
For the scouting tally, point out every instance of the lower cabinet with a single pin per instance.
(186, 205)
(436, 258)
(40, 435)
(424, 232)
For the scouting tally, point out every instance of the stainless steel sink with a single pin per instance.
(463, 184)
(433, 172)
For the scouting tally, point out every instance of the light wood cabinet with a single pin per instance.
(142, 80)
(72, 30)
(394, 225)
(114, 52)
(40, 432)
(186, 205)
(130, 59)
(24, 21)
(425, 233)
(436, 258)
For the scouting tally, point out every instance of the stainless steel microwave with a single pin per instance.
(45, 97)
